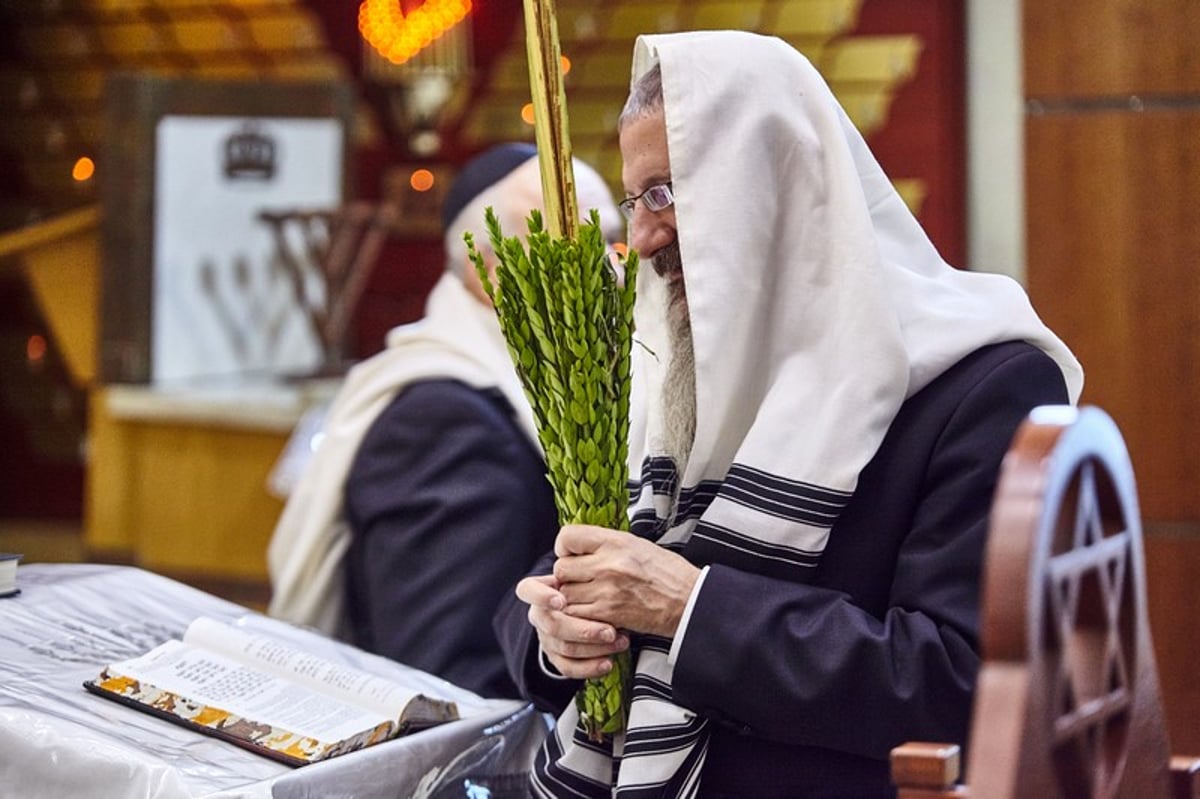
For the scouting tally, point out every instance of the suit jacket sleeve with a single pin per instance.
(449, 506)
(817, 665)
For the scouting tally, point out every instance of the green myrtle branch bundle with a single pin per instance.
(568, 320)
(567, 317)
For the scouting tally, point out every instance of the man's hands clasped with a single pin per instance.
(605, 582)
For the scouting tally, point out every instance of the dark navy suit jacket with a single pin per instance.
(449, 506)
(808, 686)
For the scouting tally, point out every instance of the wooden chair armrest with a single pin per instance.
(923, 770)
(1185, 777)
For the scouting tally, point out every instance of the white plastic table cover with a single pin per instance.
(57, 740)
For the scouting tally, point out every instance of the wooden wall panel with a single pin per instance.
(1095, 48)
(1114, 245)
(1112, 91)
(1174, 598)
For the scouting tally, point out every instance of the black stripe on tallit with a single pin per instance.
(687, 773)
(635, 491)
(783, 485)
(661, 739)
(656, 643)
(659, 472)
(645, 523)
(650, 688)
(755, 547)
(695, 500)
(794, 500)
(551, 779)
(654, 467)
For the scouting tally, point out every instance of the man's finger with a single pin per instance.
(581, 539)
(580, 669)
(573, 569)
(571, 629)
(581, 651)
(541, 591)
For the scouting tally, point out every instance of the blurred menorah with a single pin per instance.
(339, 247)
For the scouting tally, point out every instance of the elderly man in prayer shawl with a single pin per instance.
(827, 403)
(427, 499)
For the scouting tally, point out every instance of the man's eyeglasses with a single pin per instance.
(655, 198)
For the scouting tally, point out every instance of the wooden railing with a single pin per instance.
(61, 260)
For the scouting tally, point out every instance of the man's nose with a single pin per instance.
(648, 231)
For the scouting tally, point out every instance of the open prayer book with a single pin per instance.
(256, 692)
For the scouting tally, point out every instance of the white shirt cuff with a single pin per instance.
(687, 614)
(548, 668)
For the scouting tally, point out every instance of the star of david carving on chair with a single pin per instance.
(1089, 639)
(1067, 702)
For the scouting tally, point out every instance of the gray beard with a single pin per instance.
(679, 391)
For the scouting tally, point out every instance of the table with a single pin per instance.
(57, 740)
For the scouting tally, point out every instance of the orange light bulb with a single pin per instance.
(84, 169)
(35, 348)
(421, 180)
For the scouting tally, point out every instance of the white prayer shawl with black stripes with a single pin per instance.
(818, 305)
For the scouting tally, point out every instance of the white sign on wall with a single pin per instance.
(223, 304)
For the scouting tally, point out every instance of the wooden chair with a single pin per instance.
(1067, 702)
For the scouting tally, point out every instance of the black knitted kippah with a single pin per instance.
(481, 172)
